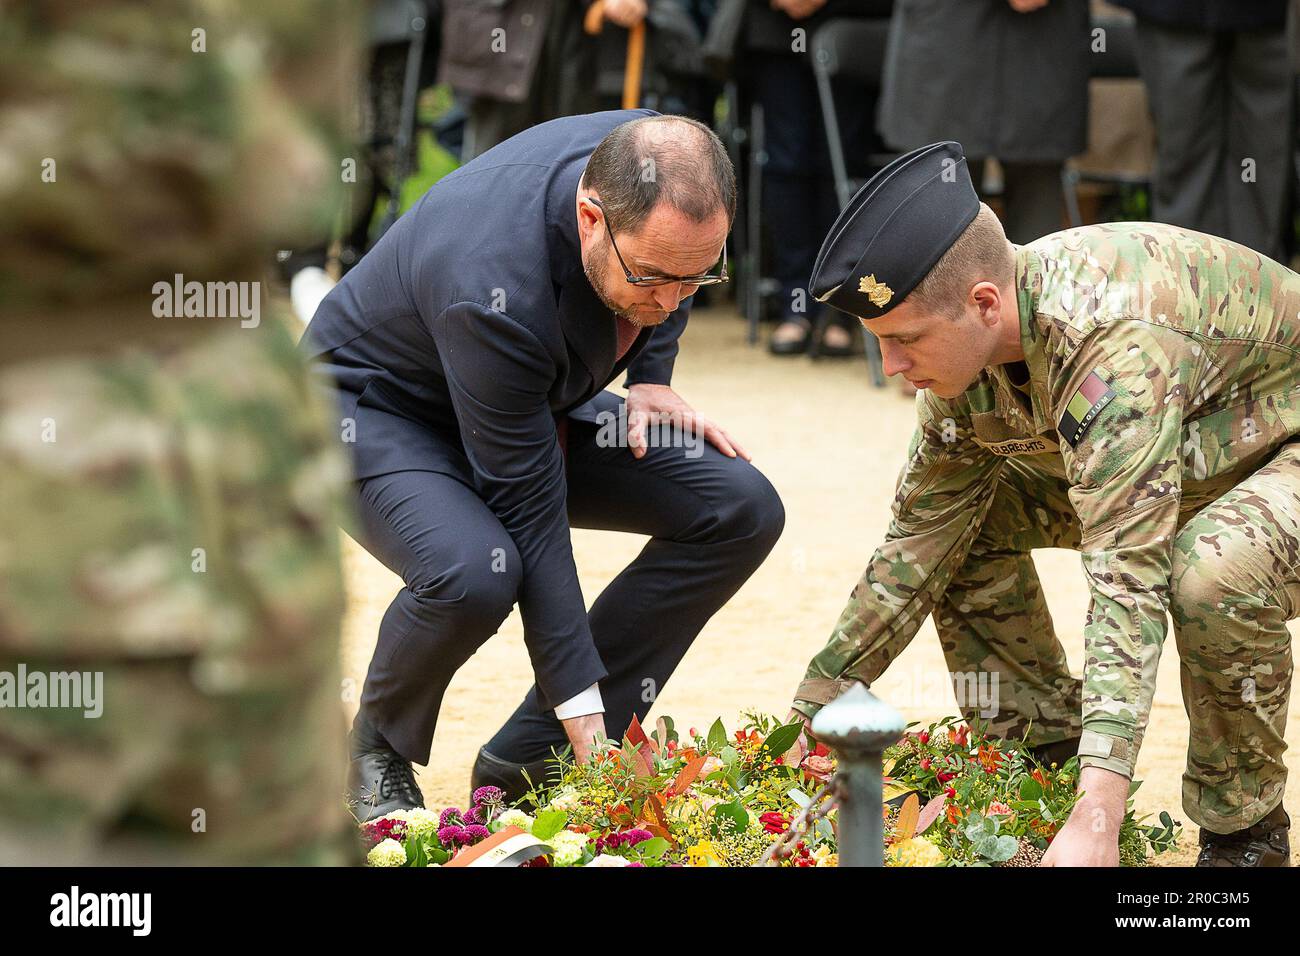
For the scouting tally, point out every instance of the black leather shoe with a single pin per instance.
(792, 346)
(1267, 843)
(491, 771)
(1057, 752)
(380, 780)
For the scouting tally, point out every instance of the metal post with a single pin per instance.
(858, 726)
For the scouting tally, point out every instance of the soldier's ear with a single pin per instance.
(987, 298)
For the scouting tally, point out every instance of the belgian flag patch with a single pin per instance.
(1092, 396)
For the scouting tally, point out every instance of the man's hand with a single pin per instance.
(1027, 6)
(625, 13)
(587, 734)
(650, 404)
(1091, 836)
(799, 9)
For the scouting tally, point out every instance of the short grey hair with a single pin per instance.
(634, 170)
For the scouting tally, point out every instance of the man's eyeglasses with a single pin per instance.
(705, 279)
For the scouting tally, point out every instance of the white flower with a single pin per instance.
(569, 838)
(420, 822)
(387, 853)
(567, 854)
(608, 859)
(516, 818)
(566, 798)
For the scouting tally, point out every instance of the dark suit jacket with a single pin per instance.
(459, 338)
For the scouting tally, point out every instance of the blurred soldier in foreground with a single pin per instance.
(170, 589)
(1125, 390)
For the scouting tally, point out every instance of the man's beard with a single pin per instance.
(601, 289)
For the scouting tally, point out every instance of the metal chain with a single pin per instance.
(819, 807)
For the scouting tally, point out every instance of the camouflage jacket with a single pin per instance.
(1162, 370)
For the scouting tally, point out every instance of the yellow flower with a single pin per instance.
(703, 853)
(917, 851)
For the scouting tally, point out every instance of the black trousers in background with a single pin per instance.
(712, 521)
(1219, 99)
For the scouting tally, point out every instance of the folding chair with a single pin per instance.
(1117, 61)
(851, 49)
(401, 21)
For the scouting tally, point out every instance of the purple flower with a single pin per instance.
(451, 835)
(634, 863)
(492, 795)
(633, 837)
(475, 815)
(451, 817)
(475, 832)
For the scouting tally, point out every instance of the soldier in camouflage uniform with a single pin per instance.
(170, 494)
(1128, 391)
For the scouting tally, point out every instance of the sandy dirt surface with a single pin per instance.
(832, 446)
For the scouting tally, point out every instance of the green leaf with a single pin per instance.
(732, 811)
(1004, 848)
(651, 849)
(1030, 789)
(549, 823)
(729, 755)
(782, 739)
(717, 735)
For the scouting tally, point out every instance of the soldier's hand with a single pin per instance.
(1027, 6)
(652, 404)
(1090, 836)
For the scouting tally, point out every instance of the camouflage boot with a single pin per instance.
(1264, 844)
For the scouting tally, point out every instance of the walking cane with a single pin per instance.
(635, 65)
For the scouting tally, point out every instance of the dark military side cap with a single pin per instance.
(894, 230)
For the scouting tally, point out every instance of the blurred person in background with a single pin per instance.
(1221, 84)
(517, 63)
(798, 196)
(1006, 79)
(168, 543)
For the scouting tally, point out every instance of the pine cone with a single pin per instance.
(1026, 855)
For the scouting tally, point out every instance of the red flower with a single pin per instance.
(925, 763)
(923, 736)
(961, 735)
(774, 822)
(943, 776)
(951, 793)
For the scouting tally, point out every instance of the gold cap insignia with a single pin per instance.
(877, 292)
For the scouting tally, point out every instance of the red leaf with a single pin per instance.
(929, 813)
(687, 776)
(637, 738)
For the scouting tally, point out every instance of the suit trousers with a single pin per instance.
(711, 520)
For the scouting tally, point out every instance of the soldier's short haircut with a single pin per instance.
(981, 253)
(655, 159)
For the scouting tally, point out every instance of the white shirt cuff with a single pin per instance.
(582, 704)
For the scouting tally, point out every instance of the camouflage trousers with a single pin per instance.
(169, 561)
(1235, 583)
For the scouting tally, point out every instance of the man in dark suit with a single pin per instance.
(470, 350)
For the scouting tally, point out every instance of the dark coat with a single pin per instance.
(469, 61)
(1001, 83)
(1211, 14)
(457, 340)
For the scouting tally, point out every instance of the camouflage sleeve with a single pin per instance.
(943, 494)
(1119, 400)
